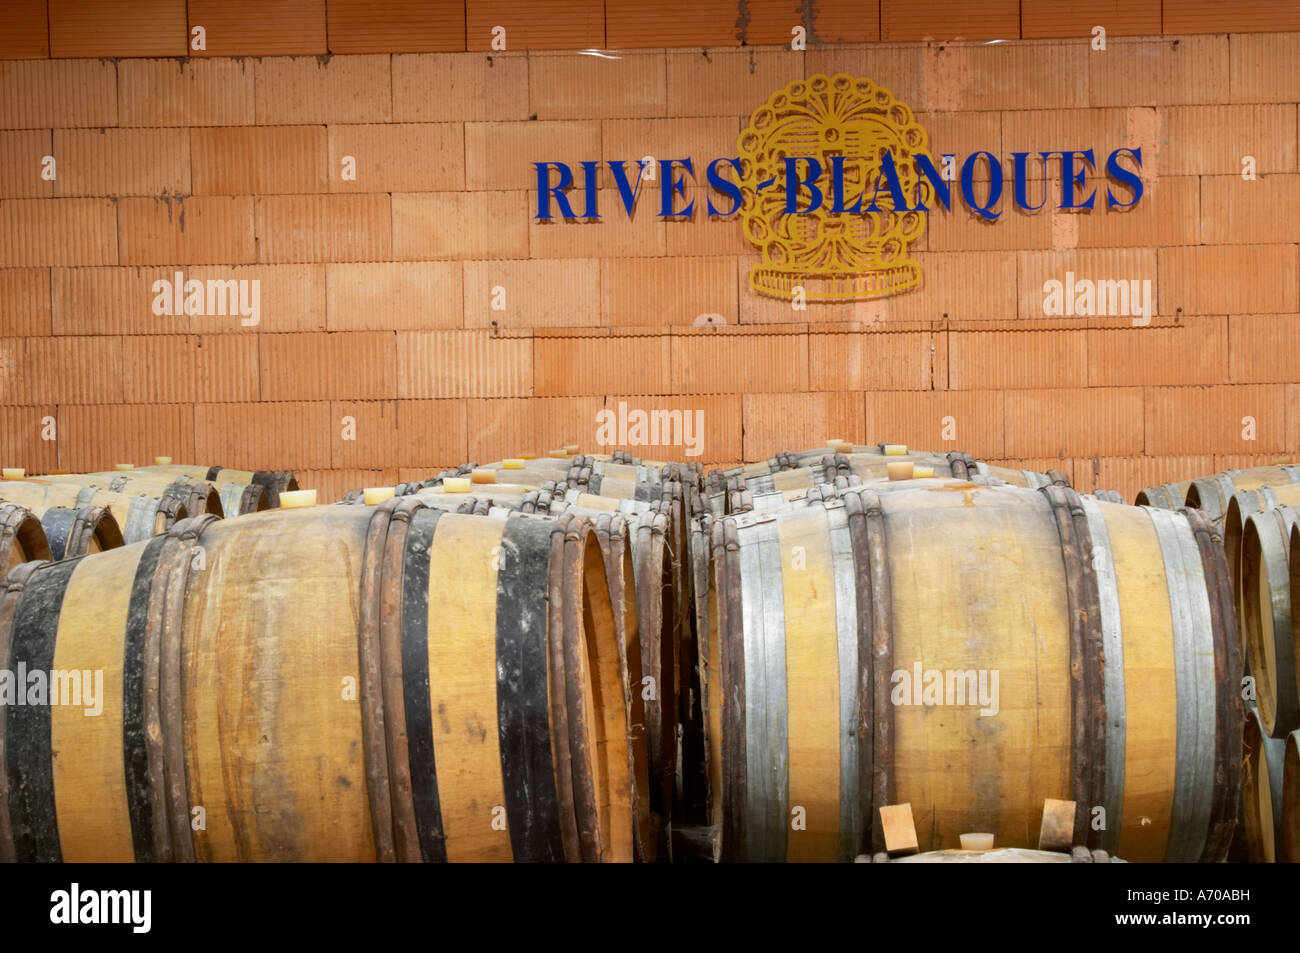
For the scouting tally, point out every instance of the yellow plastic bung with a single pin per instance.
(570, 448)
(483, 475)
(527, 456)
(976, 841)
(564, 454)
(895, 450)
(920, 472)
(515, 464)
(375, 495)
(901, 470)
(297, 499)
(455, 485)
(13, 473)
(162, 461)
(124, 466)
(834, 441)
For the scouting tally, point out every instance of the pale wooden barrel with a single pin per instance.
(272, 483)
(1166, 496)
(1261, 790)
(310, 680)
(139, 516)
(22, 538)
(1109, 626)
(1266, 617)
(1212, 494)
(197, 496)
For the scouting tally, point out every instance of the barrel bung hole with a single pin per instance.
(606, 715)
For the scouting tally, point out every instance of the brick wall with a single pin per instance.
(376, 293)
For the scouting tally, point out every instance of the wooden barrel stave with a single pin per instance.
(1212, 494)
(1289, 842)
(76, 531)
(1262, 789)
(1266, 617)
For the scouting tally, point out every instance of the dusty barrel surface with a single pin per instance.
(76, 531)
(139, 516)
(22, 537)
(1289, 842)
(1212, 494)
(197, 496)
(1240, 508)
(1107, 630)
(1262, 786)
(1166, 496)
(241, 491)
(309, 680)
(1267, 616)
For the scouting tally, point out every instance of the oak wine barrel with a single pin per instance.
(76, 531)
(1289, 842)
(139, 516)
(197, 496)
(22, 538)
(1261, 790)
(1266, 617)
(1212, 494)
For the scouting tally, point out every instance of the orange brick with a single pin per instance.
(1168, 213)
(1043, 18)
(296, 90)
(122, 161)
(292, 298)
(775, 422)
(332, 485)
(1218, 279)
(1211, 140)
(117, 28)
(1035, 269)
(727, 82)
(24, 29)
(1040, 465)
(503, 428)
(58, 232)
(263, 436)
(668, 290)
(735, 360)
(72, 370)
(903, 20)
(614, 235)
(1170, 70)
(1292, 418)
(396, 26)
(1130, 475)
(960, 230)
(713, 23)
(25, 302)
(346, 365)
(324, 227)
(900, 69)
(533, 294)
(260, 27)
(1262, 348)
(501, 155)
(253, 160)
(40, 94)
(463, 364)
(573, 86)
(1190, 352)
(21, 443)
(22, 154)
(188, 231)
(1033, 74)
(226, 365)
(1265, 67)
(403, 157)
(1211, 419)
(630, 140)
(470, 86)
(1233, 210)
(1074, 422)
(574, 25)
(922, 419)
(840, 358)
(93, 438)
(158, 369)
(1209, 16)
(983, 360)
(594, 362)
(719, 416)
(186, 92)
(458, 225)
(701, 234)
(394, 296)
(409, 433)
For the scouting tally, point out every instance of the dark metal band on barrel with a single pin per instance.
(585, 765)
(879, 649)
(28, 746)
(422, 763)
(731, 638)
(1087, 661)
(141, 806)
(370, 691)
(172, 574)
(527, 769)
(1228, 716)
(14, 582)
(557, 673)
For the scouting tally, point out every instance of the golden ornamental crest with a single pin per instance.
(854, 244)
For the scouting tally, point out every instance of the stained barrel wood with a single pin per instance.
(272, 483)
(197, 496)
(1289, 842)
(1262, 788)
(22, 538)
(1109, 628)
(310, 681)
(1212, 494)
(1240, 507)
(1266, 617)
(76, 531)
